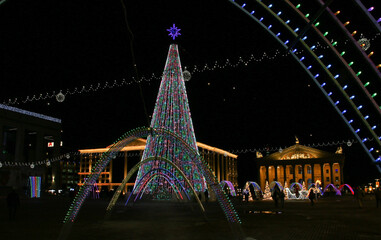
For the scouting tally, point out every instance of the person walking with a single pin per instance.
(13, 203)
(377, 194)
(359, 195)
(311, 196)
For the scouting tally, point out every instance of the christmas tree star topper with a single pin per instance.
(174, 32)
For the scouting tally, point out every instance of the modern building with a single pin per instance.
(300, 163)
(27, 141)
(222, 163)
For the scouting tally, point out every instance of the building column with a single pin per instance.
(313, 173)
(294, 166)
(267, 174)
(222, 167)
(218, 168)
(322, 174)
(331, 172)
(276, 172)
(284, 174)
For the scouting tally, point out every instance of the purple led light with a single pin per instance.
(370, 9)
(174, 32)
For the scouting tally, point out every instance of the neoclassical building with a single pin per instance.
(222, 163)
(300, 163)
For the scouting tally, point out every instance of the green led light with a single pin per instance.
(342, 53)
(358, 73)
(374, 94)
(317, 24)
(350, 64)
(366, 84)
(325, 34)
(298, 6)
(335, 43)
(307, 15)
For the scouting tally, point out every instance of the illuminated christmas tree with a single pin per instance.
(171, 113)
(267, 193)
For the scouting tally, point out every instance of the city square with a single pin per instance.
(264, 123)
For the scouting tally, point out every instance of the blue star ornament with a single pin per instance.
(174, 32)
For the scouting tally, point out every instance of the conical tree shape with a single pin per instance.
(172, 113)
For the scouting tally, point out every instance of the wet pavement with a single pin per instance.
(329, 218)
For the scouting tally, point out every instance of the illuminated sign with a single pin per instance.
(50, 144)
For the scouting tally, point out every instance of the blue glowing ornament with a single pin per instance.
(174, 32)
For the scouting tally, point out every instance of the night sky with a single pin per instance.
(52, 45)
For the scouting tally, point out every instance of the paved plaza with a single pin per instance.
(329, 218)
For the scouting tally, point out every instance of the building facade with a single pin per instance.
(300, 163)
(27, 140)
(222, 163)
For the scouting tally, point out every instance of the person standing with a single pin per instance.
(359, 195)
(377, 194)
(311, 196)
(13, 203)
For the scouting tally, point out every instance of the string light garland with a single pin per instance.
(241, 61)
(74, 155)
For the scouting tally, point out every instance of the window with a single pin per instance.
(309, 169)
(327, 171)
(291, 170)
(300, 170)
(336, 170)
(327, 179)
(336, 179)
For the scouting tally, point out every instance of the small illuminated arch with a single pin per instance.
(136, 168)
(137, 185)
(346, 185)
(334, 188)
(296, 183)
(274, 183)
(230, 185)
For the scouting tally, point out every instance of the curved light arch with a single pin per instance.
(334, 188)
(136, 168)
(153, 177)
(317, 60)
(255, 186)
(230, 185)
(132, 135)
(296, 183)
(346, 185)
(273, 183)
(155, 170)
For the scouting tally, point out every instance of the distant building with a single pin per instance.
(222, 163)
(27, 140)
(299, 163)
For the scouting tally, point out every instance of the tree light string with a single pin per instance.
(75, 154)
(241, 61)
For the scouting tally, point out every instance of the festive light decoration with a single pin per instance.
(33, 114)
(242, 61)
(318, 60)
(174, 32)
(230, 186)
(171, 145)
(35, 186)
(172, 112)
(60, 97)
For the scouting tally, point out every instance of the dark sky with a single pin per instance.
(55, 45)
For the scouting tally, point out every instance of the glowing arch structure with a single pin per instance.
(136, 168)
(255, 186)
(297, 36)
(230, 185)
(349, 187)
(132, 135)
(296, 183)
(140, 187)
(274, 183)
(334, 188)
